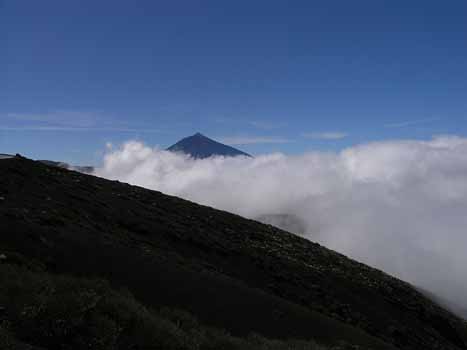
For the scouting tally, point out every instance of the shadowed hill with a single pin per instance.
(286, 222)
(199, 146)
(82, 169)
(228, 271)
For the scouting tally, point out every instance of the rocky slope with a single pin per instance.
(229, 272)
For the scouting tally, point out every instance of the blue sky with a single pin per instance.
(288, 76)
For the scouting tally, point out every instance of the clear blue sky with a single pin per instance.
(287, 76)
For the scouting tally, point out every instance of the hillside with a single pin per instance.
(154, 252)
(82, 169)
(199, 146)
(286, 222)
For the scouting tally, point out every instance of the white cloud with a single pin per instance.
(247, 140)
(333, 135)
(266, 125)
(67, 121)
(72, 128)
(411, 123)
(400, 206)
(61, 118)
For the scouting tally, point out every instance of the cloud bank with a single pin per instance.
(399, 206)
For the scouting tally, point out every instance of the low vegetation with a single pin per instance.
(63, 234)
(46, 311)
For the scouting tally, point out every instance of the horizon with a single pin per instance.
(262, 77)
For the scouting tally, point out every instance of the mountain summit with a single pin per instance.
(200, 146)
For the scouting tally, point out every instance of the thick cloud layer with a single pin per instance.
(400, 206)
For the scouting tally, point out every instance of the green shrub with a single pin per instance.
(66, 313)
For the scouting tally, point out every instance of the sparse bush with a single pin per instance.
(66, 313)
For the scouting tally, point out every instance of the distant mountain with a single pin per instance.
(200, 146)
(6, 156)
(82, 169)
(54, 163)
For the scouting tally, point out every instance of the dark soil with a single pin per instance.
(229, 272)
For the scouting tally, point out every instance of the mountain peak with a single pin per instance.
(200, 146)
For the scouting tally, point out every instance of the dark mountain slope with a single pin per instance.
(230, 272)
(200, 146)
(82, 169)
(286, 222)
